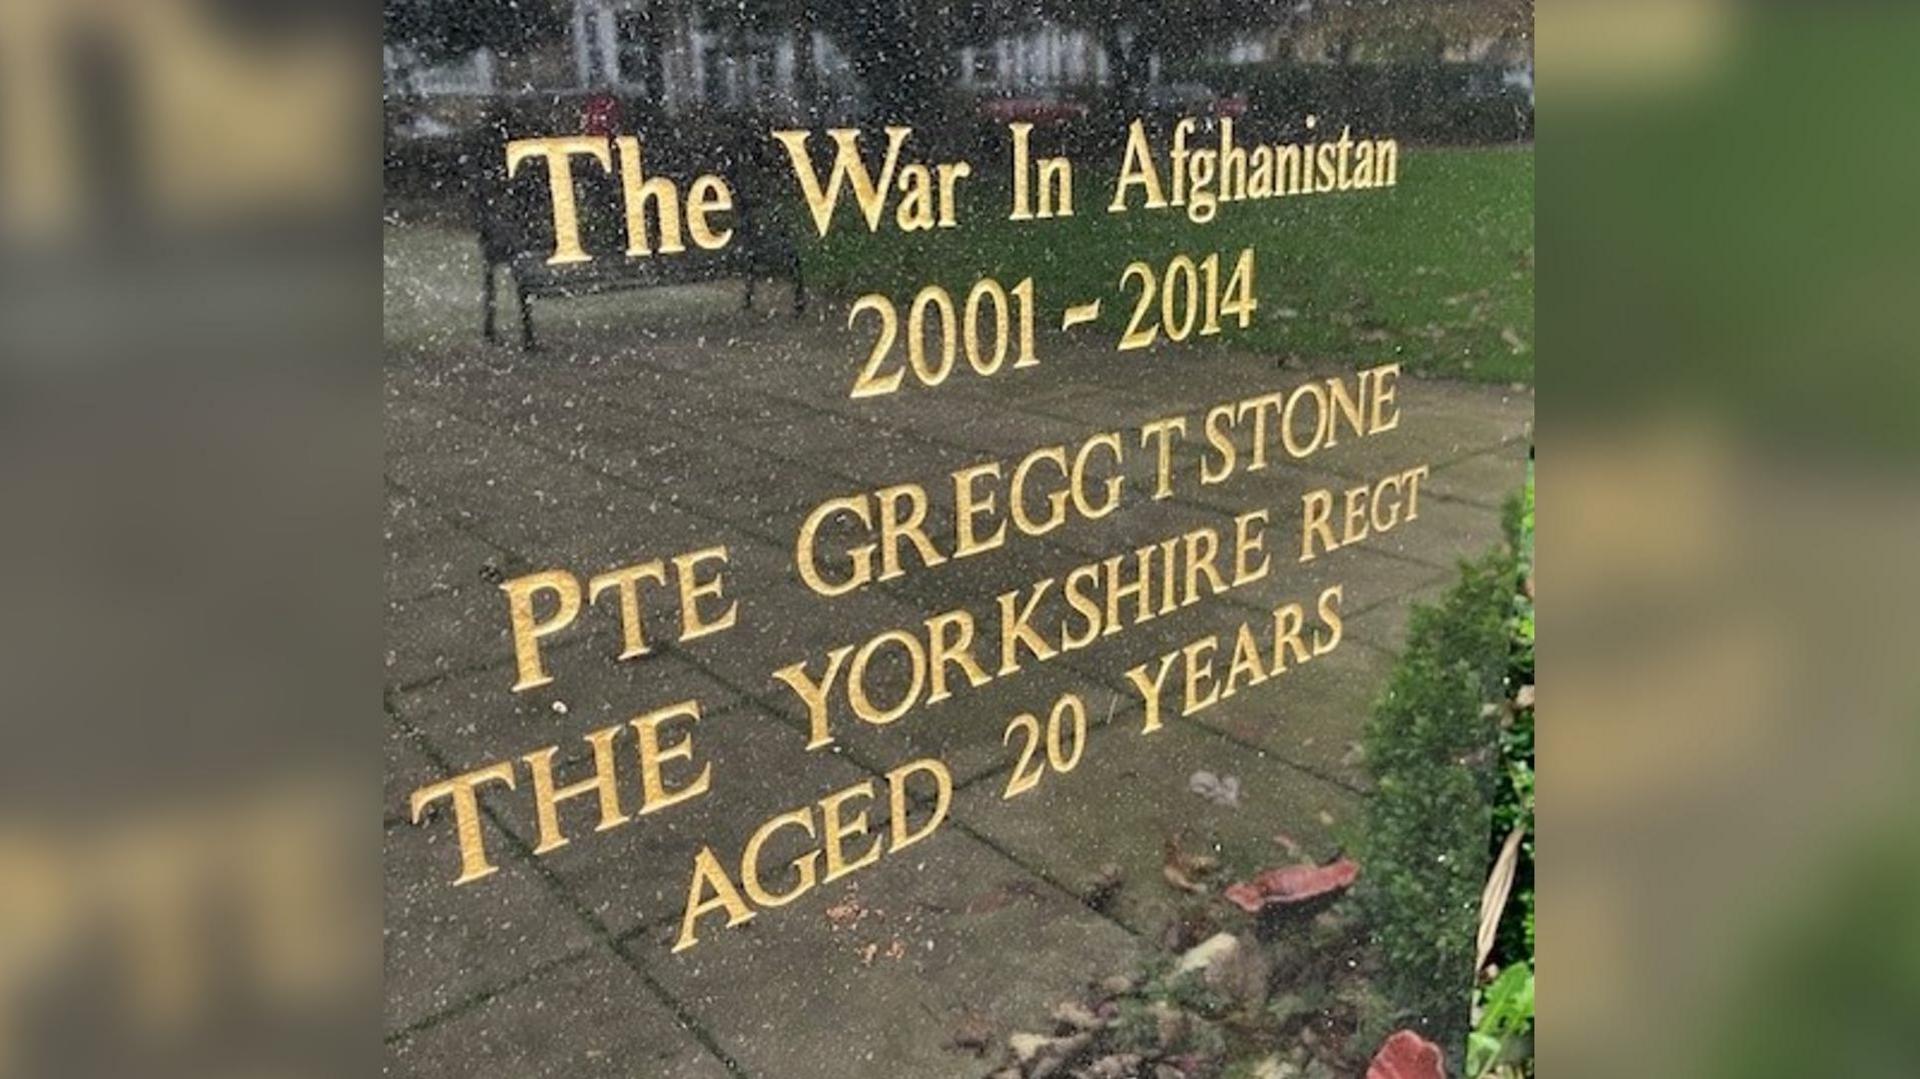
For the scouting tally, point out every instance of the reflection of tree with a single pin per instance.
(902, 51)
(649, 24)
(1417, 29)
(793, 21)
(1132, 32)
(434, 31)
(898, 49)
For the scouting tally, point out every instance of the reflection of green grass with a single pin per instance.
(1437, 271)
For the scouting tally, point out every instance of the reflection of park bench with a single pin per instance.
(516, 231)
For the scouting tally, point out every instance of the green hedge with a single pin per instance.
(1430, 745)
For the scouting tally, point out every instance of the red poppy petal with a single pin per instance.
(1407, 1055)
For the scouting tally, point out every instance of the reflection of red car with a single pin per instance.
(600, 115)
(1031, 110)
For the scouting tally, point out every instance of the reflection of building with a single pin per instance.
(1041, 59)
(615, 45)
(473, 74)
(614, 42)
(629, 46)
(683, 57)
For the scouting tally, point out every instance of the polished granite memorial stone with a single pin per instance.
(899, 666)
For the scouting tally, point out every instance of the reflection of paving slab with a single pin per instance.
(1312, 715)
(873, 975)
(447, 947)
(611, 448)
(1130, 794)
(1095, 406)
(529, 501)
(406, 766)
(590, 1018)
(637, 873)
(1436, 427)
(1485, 478)
(473, 719)
(426, 554)
(964, 730)
(1445, 533)
(445, 632)
(1385, 627)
